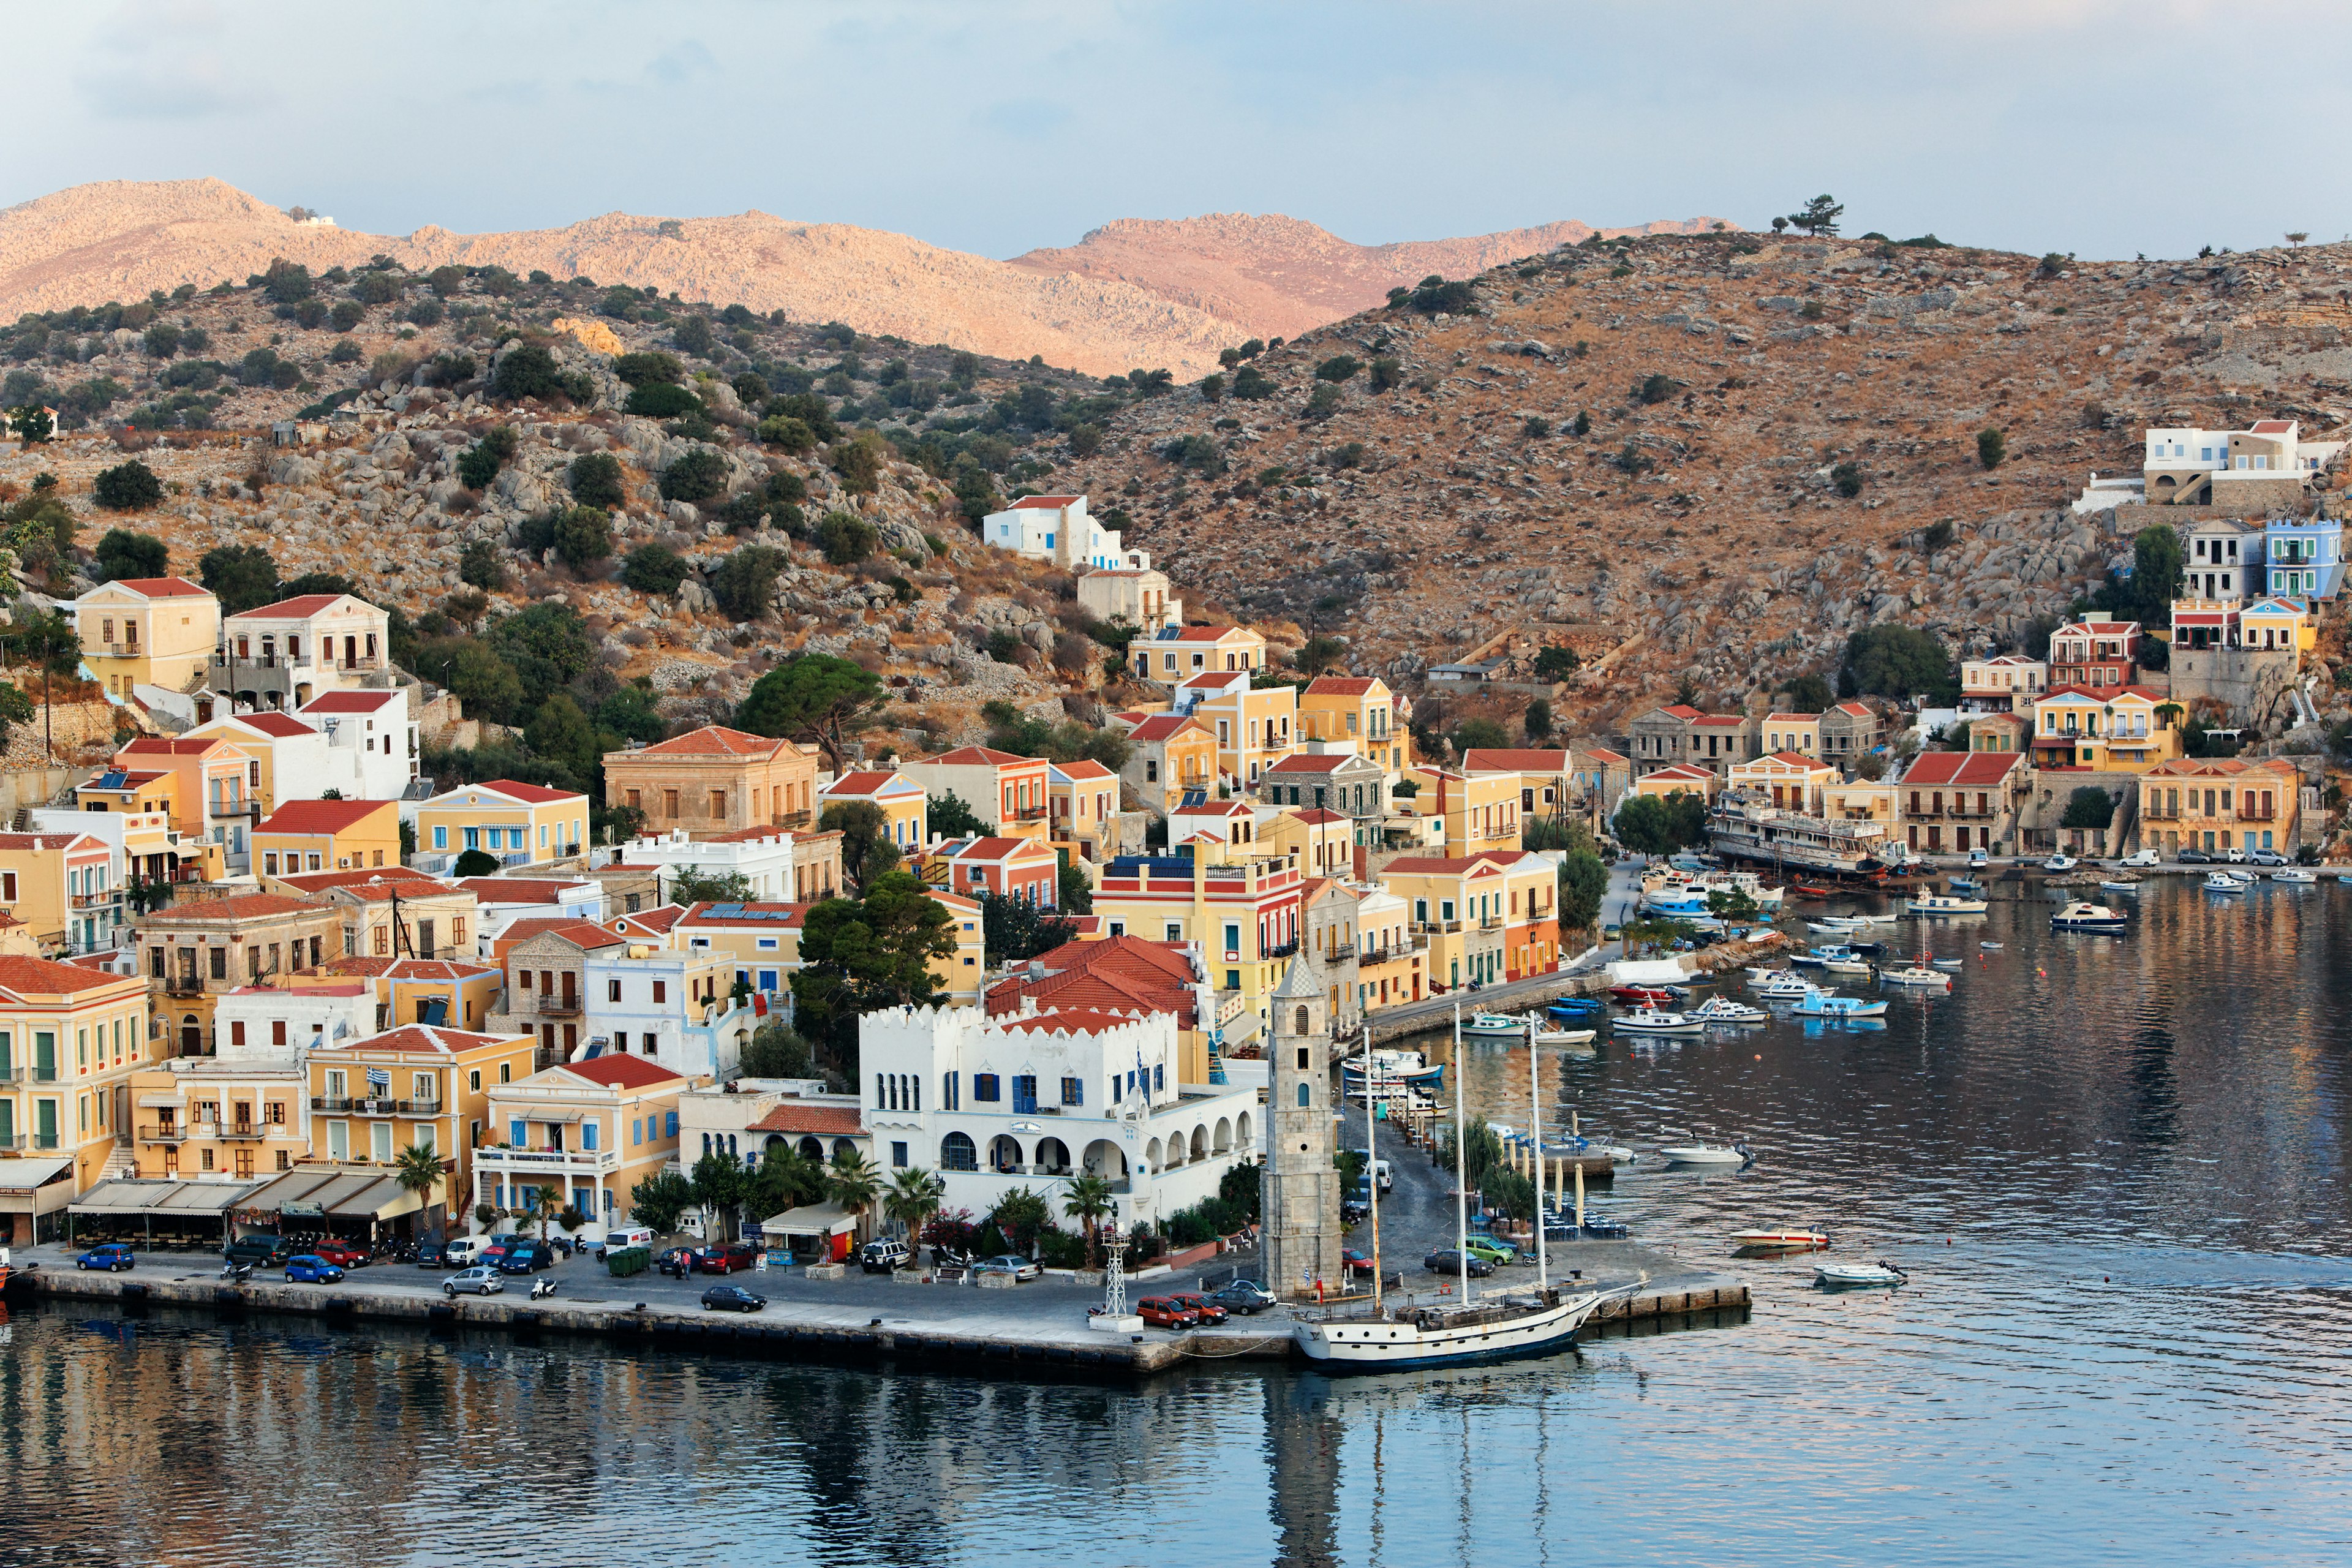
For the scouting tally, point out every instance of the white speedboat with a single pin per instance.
(1848, 967)
(1564, 1036)
(1914, 974)
(1785, 986)
(1944, 904)
(2119, 886)
(1858, 1275)
(1724, 1010)
(2299, 875)
(1509, 1025)
(2060, 863)
(1738, 1154)
(1988, 946)
(1650, 1021)
(1947, 962)
(2222, 882)
(1835, 927)
(2080, 915)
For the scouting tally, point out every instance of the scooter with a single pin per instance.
(236, 1273)
(539, 1288)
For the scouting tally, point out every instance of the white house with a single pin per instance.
(371, 736)
(2183, 462)
(282, 656)
(669, 1006)
(1031, 1100)
(764, 857)
(1059, 529)
(263, 1017)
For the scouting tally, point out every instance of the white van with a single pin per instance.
(617, 1239)
(1385, 1177)
(464, 1251)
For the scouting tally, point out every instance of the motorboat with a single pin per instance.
(1642, 995)
(1715, 1154)
(1819, 1004)
(1944, 904)
(1759, 972)
(1724, 1010)
(2222, 882)
(1989, 947)
(2119, 886)
(1393, 1070)
(1880, 1275)
(2299, 875)
(1681, 901)
(1946, 963)
(1650, 1021)
(1493, 1026)
(1573, 1006)
(1807, 960)
(2080, 915)
(1852, 963)
(2060, 863)
(1963, 885)
(1563, 1037)
(1915, 976)
(1782, 1239)
(1786, 985)
(1866, 949)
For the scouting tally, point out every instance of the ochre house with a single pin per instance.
(514, 823)
(147, 631)
(71, 1038)
(714, 780)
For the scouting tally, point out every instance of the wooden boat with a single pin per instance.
(2081, 916)
(1811, 890)
(1880, 1275)
(1782, 1239)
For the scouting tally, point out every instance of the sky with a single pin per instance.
(2103, 128)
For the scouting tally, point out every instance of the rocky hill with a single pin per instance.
(1277, 277)
(1149, 295)
(1779, 444)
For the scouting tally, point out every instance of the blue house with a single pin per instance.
(2305, 556)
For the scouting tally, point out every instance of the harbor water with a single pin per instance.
(2115, 1168)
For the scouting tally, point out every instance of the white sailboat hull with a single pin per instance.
(1374, 1345)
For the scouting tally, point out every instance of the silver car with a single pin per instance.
(1011, 1263)
(480, 1280)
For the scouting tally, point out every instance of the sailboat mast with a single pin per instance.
(1535, 1125)
(1461, 1166)
(1371, 1168)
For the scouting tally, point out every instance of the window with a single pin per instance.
(514, 1130)
(661, 991)
(951, 1091)
(613, 989)
(985, 1088)
(474, 1081)
(1159, 1079)
(588, 1131)
(957, 1153)
(1074, 1092)
(1304, 1100)
(440, 837)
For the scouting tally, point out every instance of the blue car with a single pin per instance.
(114, 1256)
(307, 1268)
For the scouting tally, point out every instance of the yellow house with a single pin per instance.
(590, 1131)
(1679, 778)
(61, 887)
(435, 919)
(764, 939)
(1791, 782)
(901, 800)
(71, 1038)
(1486, 917)
(515, 824)
(147, 631)
(1859, 801)
(1357, 709)
(1170, 755)
(714, 780)
(1184, 652)
(1392, 958)
(2111, 730)
(415, 1086)
(1324, 841)
(260, 736)
(1479, 812)
(959, 974)
(1799, 733)
(328, 835)
(218, 792)
(1255, 725)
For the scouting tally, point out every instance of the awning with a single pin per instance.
(36, 1186)
(127, 1195)
(345, 1191)
(812, 1219)
(24, 1175)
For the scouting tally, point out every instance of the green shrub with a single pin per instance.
(583, 534)
(858, 462)
(595, 479)
(127, 487)
(745, 580)
(1338, 367)
(662, 400)
(1847, 477)
(787, 434)
(1250, 383)
(698, 476)
(847, 538)
(1992, 446)
(483, 565)
(374, 288)
(528, 371)
(654, 569)
(639, 369)
(285, 282)
(477, 466)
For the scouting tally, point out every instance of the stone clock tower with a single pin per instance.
(1299, 1196)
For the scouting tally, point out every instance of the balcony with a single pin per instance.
(97, 901)
(527, 1162)
(569, 1007)
(1028, 813)
(170, 1133)
(329, 1102)
(1434, 928)
(1282, 950)
(1490, 922)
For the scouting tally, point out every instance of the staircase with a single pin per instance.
(120, 1162)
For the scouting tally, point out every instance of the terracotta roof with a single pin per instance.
(372, 884)
(954, 900)
(298, 607)
(660, 919)
(353, 963)
(1719, 720)
(1083, 768)
(1791, 718)
(866, 781)
(537, 795)
(1201, 633)
(1315, 763)
(1854, 709)
(239, 907)
(1227, 808)
(157, 746)
(1680, 710)
(1516, 759)
(356, 988)
(618, 1070)
(978, 756)
(578, 933)
(349, 701)
(28, 977)
(1793, 759)
(1044, 503)
(160, 587)
(710, 740)
(425, 1040)
(436, 969)
(2103, 694)
(775, 915)
(46, 841)
(1318, 814)
(516, 889)
(273, 723)
(1598, 753)
(1435, 865)
(321, 815)
(825, 1121)
(1340, 686)
(993, 849)
(2220, 767)
(1163, 726)
(1218, 679)
(1677, 771)
(1966, 770)
(2272, 426)
(1076, 1021)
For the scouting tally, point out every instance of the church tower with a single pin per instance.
(1299, 1196)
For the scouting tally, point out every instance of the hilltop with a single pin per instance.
(1435, 491)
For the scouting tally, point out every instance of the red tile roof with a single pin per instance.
(160, 587)
(1313, 763)
(660, 919)
(2272, 426)
(1318, 814)
(240, 907)
(1225, 808)
(1719, 720)
(516, 890)
(377, 882)
(1044, 503)
(1163, 726)
(824, 1120)
(425, 1040)
(1436, 865)
(1797, 759)
(270, 723)
(1201, 633)
(322, 815)
(48, 841)
(349, 701)
(28, 976)
(1791, 718)
(578, 933)
(1854, 709)
(1680, 710)
(156, 746)
(710, 740)
(621, 1070)
(1340, 686)
(436, 969)
(864, 781)
(1083, 768)
(1516, 759)
(536, 794)
(980, 756)
(296, 609)
(993, 849)
(1967, 769)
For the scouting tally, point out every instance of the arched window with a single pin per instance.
(957, 1153)
(1303, 1101)
(1300, 1025)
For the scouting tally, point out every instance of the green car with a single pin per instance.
(1492, 1251)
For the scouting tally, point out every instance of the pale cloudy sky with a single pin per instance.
(2103, 127)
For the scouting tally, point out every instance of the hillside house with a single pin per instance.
(284, 655)
(1061, 529)
(2003, 683)
(1956, 801)
(2096, 652)
(2215, 803)
(2304, 558)
(2262, 466)
(1170, 756)
(715, 780)
(1175, 653)
(2222, 560)
(1137, 596)
(147, 631)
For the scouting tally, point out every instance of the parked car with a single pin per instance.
(726, 1260)
(496, 1247)
(2233, 857)
(885, 1255)
(677, 1262)
(1246, 1296)
(732, 1299)
(462, 1251)
(1011, 1263)
(1383, 1176)
(431, 1255)
(2193, 856)
(256, 1251)
(2266, 858)
(622, 1240)
(1166, 1312)
(482, 1279)
(1207, 1312)
(342, 1254)
(1492, 1250)
(527, 1258)
(114, 1256)
(310, 1269)
(2150, 856)
(1448, 1261)
(1357, 1263)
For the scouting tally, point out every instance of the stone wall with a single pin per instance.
(2252, 683)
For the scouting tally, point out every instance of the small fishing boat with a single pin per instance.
(1880, 1275)
(1650, 1021)
(1913, 976)
(1784, 1239)
(2080, 915)
(1988, 946)
(1811, 890)
(1946, 962)
(1714, 1154)
(2119, 886)
(2060, 863)
(2222, 882)
(1944, 904)
(1724, 1010)
(1491, 1026)
(1807, 960)
(1642, 995)
(1831, 928)
(2297, 875)
(1819, 1004)
(1563, 1037)
(1963, 885)
(1786, 985)
(1848, 965)
(1573, 1006)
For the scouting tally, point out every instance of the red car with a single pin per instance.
(342, 1254)
(1204, 1311)
(1166, 1312)
(1356, 1262)
(724, 1259)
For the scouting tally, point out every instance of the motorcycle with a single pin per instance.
(236, 1273)
(543, 1286)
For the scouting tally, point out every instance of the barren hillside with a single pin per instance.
(1277, 277)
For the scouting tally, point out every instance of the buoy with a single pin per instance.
(1759, 1056)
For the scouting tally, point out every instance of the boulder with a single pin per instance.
(293, 469)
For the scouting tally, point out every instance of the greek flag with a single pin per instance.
(379, 1080)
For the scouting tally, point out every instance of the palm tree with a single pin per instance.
(418, 1171)
(786, 1178)
(1089, 1198)
(913, 1196)
(852, 1181)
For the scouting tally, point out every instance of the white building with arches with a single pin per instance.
(1033, 1098)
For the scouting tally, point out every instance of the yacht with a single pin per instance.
(1724, 1010)
(1649, 1021)
(1708, 1154)
(2082, 915)
(1944, 904)
(1819, 1004)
